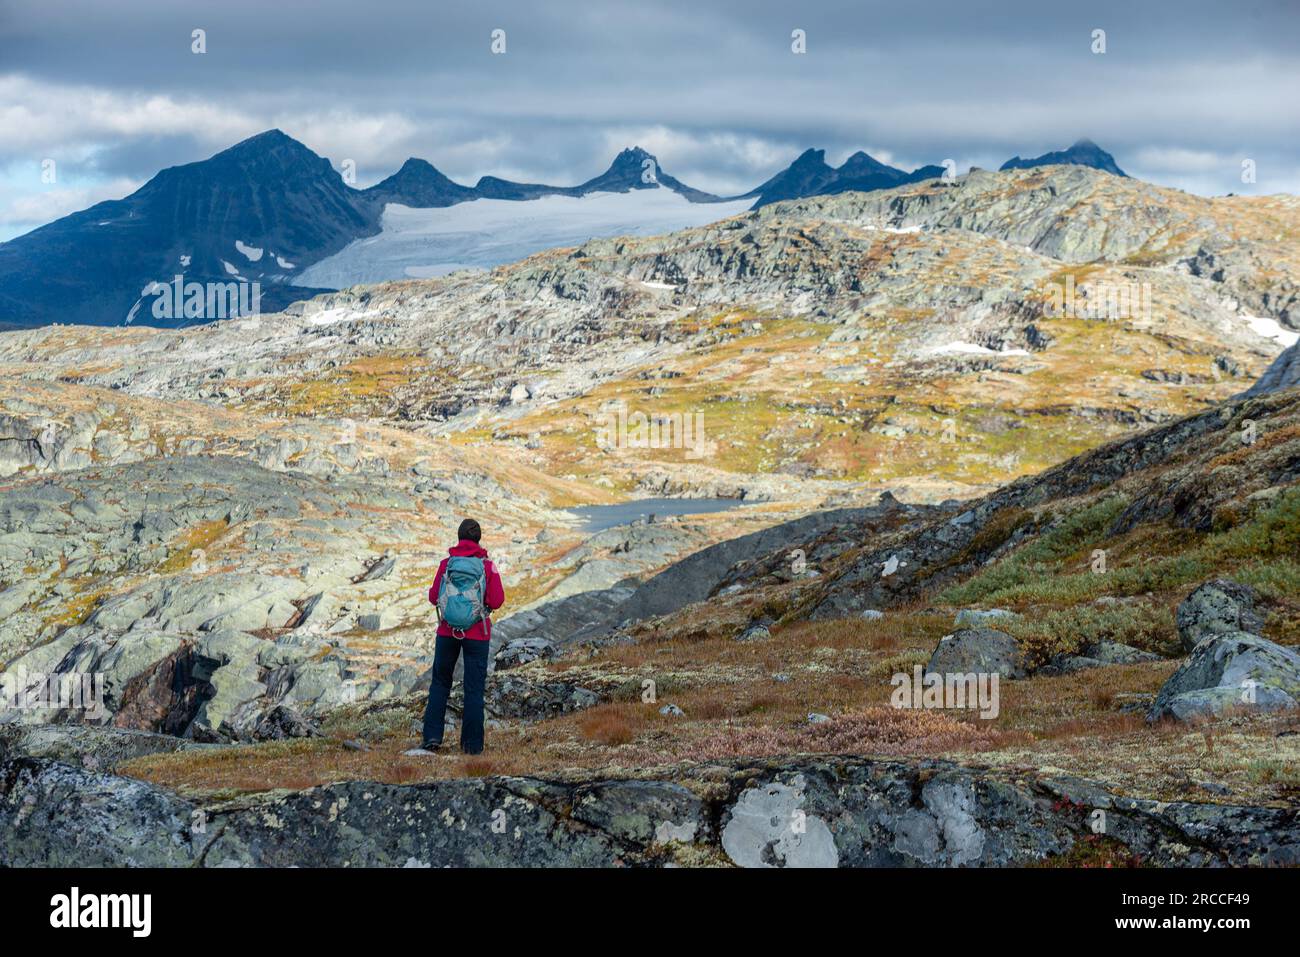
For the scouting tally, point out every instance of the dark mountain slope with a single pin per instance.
(269, 192)
(420, 185)
(810, 175)
(1083, 153)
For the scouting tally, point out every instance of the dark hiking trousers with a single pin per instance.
(446, 650)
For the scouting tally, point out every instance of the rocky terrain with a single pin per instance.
(234, 525)
(851, 812)
(1149, 713)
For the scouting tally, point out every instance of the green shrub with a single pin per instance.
(1262, 548)
(1144, 625)
(1039, 560)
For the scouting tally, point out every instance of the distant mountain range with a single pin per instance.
(810, 175)
(265, 210)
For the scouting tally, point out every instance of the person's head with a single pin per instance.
(469, 531)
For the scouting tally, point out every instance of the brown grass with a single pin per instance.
(607, 724)
(876, 731)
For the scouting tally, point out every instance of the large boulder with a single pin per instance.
(60, 815)
(1097, 654)
(1216, 608)
(979, 650)
(520, 651)
(510, 696)
(1227, 672)
(281, 723)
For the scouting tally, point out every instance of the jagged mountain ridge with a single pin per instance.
(268, 208)
(811, 175)
(260, 211)
(1083, 153)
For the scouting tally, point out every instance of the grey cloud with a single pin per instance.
(972, 82)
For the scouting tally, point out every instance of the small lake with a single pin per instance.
(596, 518)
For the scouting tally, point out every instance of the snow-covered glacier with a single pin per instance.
(420, 243)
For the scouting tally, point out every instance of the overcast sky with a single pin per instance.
(112, 92)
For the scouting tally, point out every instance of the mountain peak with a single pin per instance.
(263, 142)
(418, 169)
(809, 175)
(632, 168)
(420, 184)
(633, 159)
(810, 157)
(270, 154)
(274, 134)
(632, 153)
(1084, 152)
(860, 163)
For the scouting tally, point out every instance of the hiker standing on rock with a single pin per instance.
(466, 590)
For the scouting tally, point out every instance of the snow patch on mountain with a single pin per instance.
(1268, 328)
(970, 348)
(251, 253)
(422, 243)
(329, 317)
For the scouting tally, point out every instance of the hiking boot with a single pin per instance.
(428, 749)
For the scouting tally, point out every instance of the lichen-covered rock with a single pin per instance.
(978, 650)
(280, 723)
(755, 632)
(59, 815)
(643, 812)
(516, 696)
(768, 827)
(520, 651)
(95, 748)
(1116, 653)
(1097, 654)
(794, 812)
(1215, 608)
(1230, 671)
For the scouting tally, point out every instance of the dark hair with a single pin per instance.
(469, 531)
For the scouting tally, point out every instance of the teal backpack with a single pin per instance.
(460, 596)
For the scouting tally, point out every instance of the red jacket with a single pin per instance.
(494, 598)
